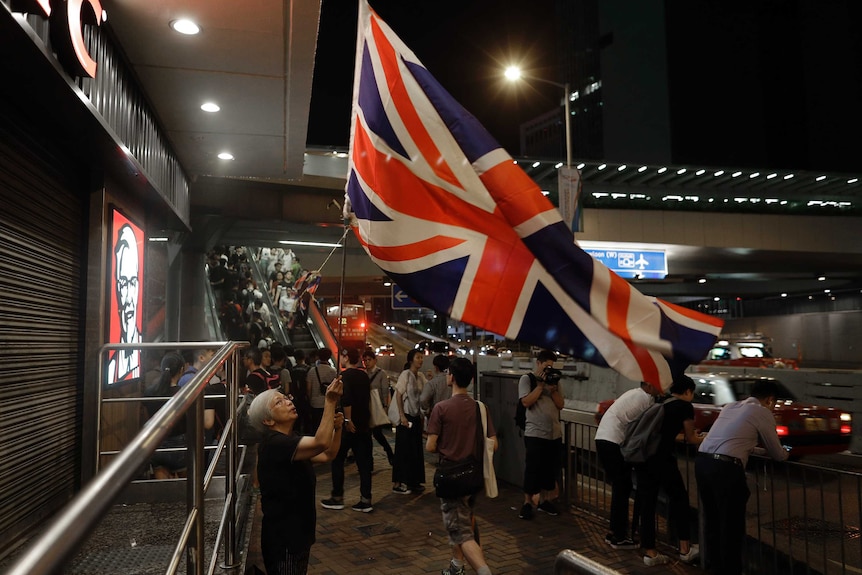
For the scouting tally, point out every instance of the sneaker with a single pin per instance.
(526, 511)
(332, 503)
(401, 489)
(547, 507)
(693, 553)
(363, 507)
(659, 559)
(416, 488)
(624, 543)
(452, 570)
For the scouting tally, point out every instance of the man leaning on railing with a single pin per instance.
(720, 473)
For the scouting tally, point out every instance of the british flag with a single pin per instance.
(450, 217)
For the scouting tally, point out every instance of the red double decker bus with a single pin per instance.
(353, 329)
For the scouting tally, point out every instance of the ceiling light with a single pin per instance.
(185, 26)
(581, 166)
(602, 167)
(819, 178)
(642, 169)
(701, 281)
(621, 168)
(784, 294)
(827, 290)
(754, 175)
(662, 170)
(719, 173)
(386, 284)
(537, 164)
(312, 244)
(680, 171)
(158, 239)
(210, 107)
(225, 156)
(821, 278)
(788, 176)
(770, 176)
(700, 172)
(716, 298)
(558, 165)
(852, 180)
(735, 174)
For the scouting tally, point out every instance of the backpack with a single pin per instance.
(270, 380)
(298, 378)
(520, 410)
(644, 434)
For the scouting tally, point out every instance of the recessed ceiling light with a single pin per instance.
(718, 173)
(225, 156)
(210, 107)
(821, 278)
(784, 294)
(701, 280)
(716, 298)
(185, 26)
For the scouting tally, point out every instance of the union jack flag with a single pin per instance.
(449, 216)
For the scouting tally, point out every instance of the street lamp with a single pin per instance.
(513, 74)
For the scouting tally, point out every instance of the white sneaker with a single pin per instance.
(693, 553)
(659, 559)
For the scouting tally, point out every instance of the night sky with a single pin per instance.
(465, 44)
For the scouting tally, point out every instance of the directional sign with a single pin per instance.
(629, 263)
(400, 299)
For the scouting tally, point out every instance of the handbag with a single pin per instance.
(454, 479)
(488, 453)
(394, 416)
(379, 416)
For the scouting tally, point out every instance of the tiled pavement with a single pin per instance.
(404, 534)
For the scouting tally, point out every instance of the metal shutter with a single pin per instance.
(42, 240)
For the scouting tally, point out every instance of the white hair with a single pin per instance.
(259, 410)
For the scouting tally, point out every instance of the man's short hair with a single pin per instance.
(324, 354)
(461, 370)
(259, 409)
(369, 354)
(441, 362)
(546, 355)
(277, 353)
(764, 388)
(682, 384)
(353, 356)
(298, 355)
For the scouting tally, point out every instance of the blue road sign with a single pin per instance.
(629, 263)
(400, 299)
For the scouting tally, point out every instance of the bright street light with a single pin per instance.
(513, 73)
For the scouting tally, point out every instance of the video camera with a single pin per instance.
(552, 376)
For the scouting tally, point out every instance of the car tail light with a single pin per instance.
(846, 429)
(781, 430)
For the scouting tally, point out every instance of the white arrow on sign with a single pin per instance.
(400, 296)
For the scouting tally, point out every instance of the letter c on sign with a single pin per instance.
(67, 34)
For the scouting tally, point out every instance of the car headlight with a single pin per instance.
(846, 417)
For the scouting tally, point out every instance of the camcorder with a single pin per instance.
(552, 376)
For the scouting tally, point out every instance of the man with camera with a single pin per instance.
(540, 395)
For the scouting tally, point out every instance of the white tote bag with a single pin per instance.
(488, 464)
(378, 414)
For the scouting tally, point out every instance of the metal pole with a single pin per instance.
(232, 373)
(341, 295)
(566, 96)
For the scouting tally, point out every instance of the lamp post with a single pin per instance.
(513, 73)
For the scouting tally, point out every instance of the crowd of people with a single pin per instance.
(313, 408)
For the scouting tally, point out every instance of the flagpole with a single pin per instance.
(341, 289)
(566, 98)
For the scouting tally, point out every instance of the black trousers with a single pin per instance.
(360, 443)
(662, 472)
(724, 494)
(619, 473)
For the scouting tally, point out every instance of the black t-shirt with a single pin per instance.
(357, 396)
(287, 493)
(675, 413)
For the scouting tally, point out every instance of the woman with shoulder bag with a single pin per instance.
(408, 469)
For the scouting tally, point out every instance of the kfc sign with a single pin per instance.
(66, 18)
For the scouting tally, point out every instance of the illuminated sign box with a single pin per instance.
(632, 263)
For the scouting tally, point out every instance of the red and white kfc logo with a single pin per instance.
(67, 18)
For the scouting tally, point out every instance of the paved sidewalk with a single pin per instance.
(404, 534)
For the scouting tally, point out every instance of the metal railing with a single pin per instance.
(68, 531)
(569, 562)
(801, 518)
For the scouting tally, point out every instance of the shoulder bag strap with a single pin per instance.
(479, 448)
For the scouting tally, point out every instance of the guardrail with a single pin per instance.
(570, 563)
(50, 552)
(800, 518)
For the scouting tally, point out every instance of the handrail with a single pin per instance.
(569, 562)
(51, 551)
(325, 336)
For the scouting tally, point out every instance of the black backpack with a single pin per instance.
(298, 379)
(520, 410)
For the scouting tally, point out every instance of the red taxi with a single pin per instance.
(808, 429)
(746, 352)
